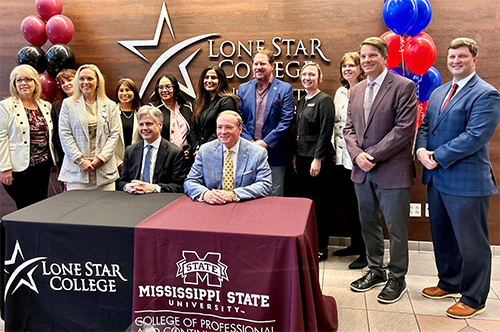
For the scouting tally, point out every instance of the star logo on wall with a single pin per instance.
(27, 265)
(132, 45)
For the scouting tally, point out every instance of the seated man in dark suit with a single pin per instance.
(153, 164)
(229, 169)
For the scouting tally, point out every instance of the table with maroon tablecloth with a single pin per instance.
(247, 266)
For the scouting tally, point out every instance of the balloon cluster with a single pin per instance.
(417, 51)
(59, 30)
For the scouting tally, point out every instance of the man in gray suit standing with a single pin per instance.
(229, 169)
(380, 127)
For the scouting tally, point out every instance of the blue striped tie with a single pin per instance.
(147, 164)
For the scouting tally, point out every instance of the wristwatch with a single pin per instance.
(79, 160)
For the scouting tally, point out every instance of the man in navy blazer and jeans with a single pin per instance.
(452, 144)
(153, 164)
(266, 105)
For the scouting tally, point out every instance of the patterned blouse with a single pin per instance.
(39, 137)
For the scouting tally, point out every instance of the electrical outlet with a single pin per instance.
(427, 210)
(415, 210)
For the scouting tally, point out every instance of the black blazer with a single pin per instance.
(315, 120)
(170, 168)
(205, 129)
(186, 111)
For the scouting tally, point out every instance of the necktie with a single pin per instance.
(147, 164)
(228, 182)
(452, 93)
(367, 106)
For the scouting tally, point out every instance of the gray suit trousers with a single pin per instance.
(395, 205)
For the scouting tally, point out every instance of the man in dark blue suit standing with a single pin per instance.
(266, 106)
(452, 144)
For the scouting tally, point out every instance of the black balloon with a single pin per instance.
(33, 56)
(59, 57)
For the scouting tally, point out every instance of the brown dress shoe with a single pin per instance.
(461, 310)
(437, 293)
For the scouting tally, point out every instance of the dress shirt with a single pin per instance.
(154, 152)
(260, 108)
(378, 83)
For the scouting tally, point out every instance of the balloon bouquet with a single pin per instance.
(417, 52)
(36, 30)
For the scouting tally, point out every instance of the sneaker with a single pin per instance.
(393, 290)
(368, 281)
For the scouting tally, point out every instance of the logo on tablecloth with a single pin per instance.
(28, 266)
(194, 269)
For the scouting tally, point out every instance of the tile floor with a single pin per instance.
(361, 312)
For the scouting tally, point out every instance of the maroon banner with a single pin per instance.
(240, 267)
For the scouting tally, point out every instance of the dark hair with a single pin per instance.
(177, 92)
(203, 98)
(68, 75)
(377, 42)
(136, 102)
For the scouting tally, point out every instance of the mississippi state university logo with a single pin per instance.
(209, 269)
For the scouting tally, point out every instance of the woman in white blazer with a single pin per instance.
(26, 150)
(89, 129)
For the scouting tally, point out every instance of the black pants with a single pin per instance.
(317, 189)
(31, 185)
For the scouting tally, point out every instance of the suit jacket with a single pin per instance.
(316, 127)
(15, 134)
(388, 134)
(278, 116)
(186, 111)
(74, 135)
(205, 129)
(170, 169)
(136, 137)
(459, 136)
(252, 178)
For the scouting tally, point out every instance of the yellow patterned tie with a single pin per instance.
(228, 173)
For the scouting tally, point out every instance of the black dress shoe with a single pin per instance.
(368, 281)
(393, 290)
(322, 256)
(359, 263)
(349, 251)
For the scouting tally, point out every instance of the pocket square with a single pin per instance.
(277, 102)
(248, 172)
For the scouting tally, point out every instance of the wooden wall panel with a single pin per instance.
(340, 25)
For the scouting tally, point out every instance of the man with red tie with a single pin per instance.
(452, 145)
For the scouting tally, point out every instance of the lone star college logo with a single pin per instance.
(132, 44)
(209, 268)
(26, 265)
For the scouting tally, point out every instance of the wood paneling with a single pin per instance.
(340, 25)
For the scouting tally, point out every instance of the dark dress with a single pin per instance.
(205, 129)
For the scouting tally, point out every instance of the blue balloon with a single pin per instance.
(400, 15)
(427, 83)
(423, 18)
(401, 72)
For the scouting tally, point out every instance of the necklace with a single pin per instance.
(124, 113)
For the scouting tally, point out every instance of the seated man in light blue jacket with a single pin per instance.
(229, 169)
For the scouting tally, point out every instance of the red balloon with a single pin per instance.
(48, 8)
(49, 87)
(393, 41)
(60, 29)
(420, 53)
(422, 108)
(33, 29)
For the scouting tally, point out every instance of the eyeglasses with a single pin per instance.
(165, 87)
(25, 80)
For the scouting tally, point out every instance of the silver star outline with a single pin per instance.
(132, 44)
(31, 283)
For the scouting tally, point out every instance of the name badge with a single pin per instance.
(311, 104)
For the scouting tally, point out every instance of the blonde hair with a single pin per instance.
(317, 66)
(101, 90)
(29, 72)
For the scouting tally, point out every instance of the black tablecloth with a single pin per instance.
(68, 261)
